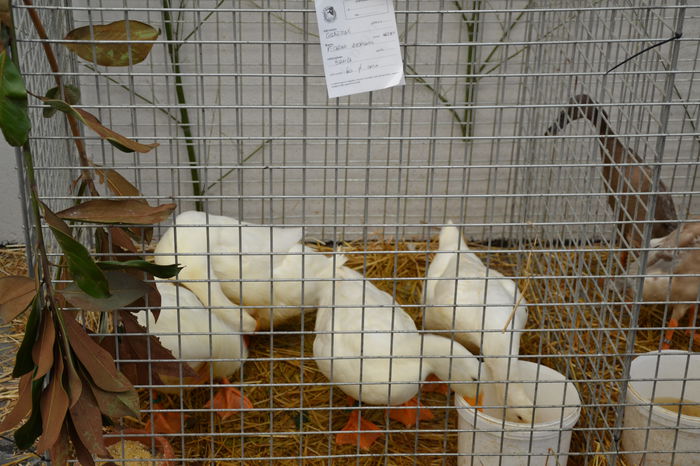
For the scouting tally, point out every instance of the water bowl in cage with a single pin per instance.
(486, 439)
(661, 382)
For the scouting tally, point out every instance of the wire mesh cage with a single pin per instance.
(347, 205)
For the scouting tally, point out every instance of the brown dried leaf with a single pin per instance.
(149, 348)
(153, 300)
(16, 293)
(5, 19)
(75, 386)
(101, 242)
(23, 405)
(119, 141)
(54, 406)
(42, 351)
(123, 211)
(133, 372)
(98, 362)
(81, 451)
(87, 419)
(117, 404)
(141, 37)
(122, 239)
(141, 234)
(55, 222)
(119, 185)
(60, 450)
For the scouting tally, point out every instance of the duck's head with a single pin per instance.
(519, 405)
(465, 375)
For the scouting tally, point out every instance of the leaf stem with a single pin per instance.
(174, 54)
(440, 97)
(197, 27)
(74, 128)
(153, 102)
(33, 191)
(231, 170)
(471, 78)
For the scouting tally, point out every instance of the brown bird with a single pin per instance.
(673, 274)
(627, 179)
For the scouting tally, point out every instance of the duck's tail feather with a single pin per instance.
(451, 238)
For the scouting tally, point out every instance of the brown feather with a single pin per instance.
(624, 182)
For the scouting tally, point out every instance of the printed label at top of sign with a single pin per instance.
(359, 45)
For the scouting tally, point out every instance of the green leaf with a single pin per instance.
(26, 435)
(122, 143)
(125, 290)
(160, 271)
(141, 37)
(83, 269)
(14, 119)
(122, 211)
(72, 94)
(24, 363)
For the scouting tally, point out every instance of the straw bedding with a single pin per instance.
(295, 407)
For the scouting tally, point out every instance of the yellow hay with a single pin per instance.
(295, 406)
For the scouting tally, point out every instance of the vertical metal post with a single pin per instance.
(27, 223)
(660, 144)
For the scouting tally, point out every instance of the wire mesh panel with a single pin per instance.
(346, 249)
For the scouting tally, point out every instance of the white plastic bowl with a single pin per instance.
(659, 429)
(495, 442)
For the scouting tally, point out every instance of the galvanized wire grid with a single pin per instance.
(462, 141)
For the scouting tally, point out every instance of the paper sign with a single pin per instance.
(360, 45)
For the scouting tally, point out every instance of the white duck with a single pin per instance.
(368, 345)
(483, 300)
(188, 330)
(673, 274)
(227, 261)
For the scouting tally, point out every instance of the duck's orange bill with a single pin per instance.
(478, 401)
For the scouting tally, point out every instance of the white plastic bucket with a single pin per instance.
(660, 429)
(495, 442)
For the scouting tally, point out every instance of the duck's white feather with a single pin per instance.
(368, 345)
(463, 294)
(227, 261)
(672, 269)
(191, 332)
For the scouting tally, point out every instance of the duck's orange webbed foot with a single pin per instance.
(165, 423)
(672, 324)
(692, 322)
(434, 387)
(228, 400)
(624, 256)
(358, 431)
(411, 414)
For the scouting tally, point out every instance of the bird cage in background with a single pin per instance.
(234, 93)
